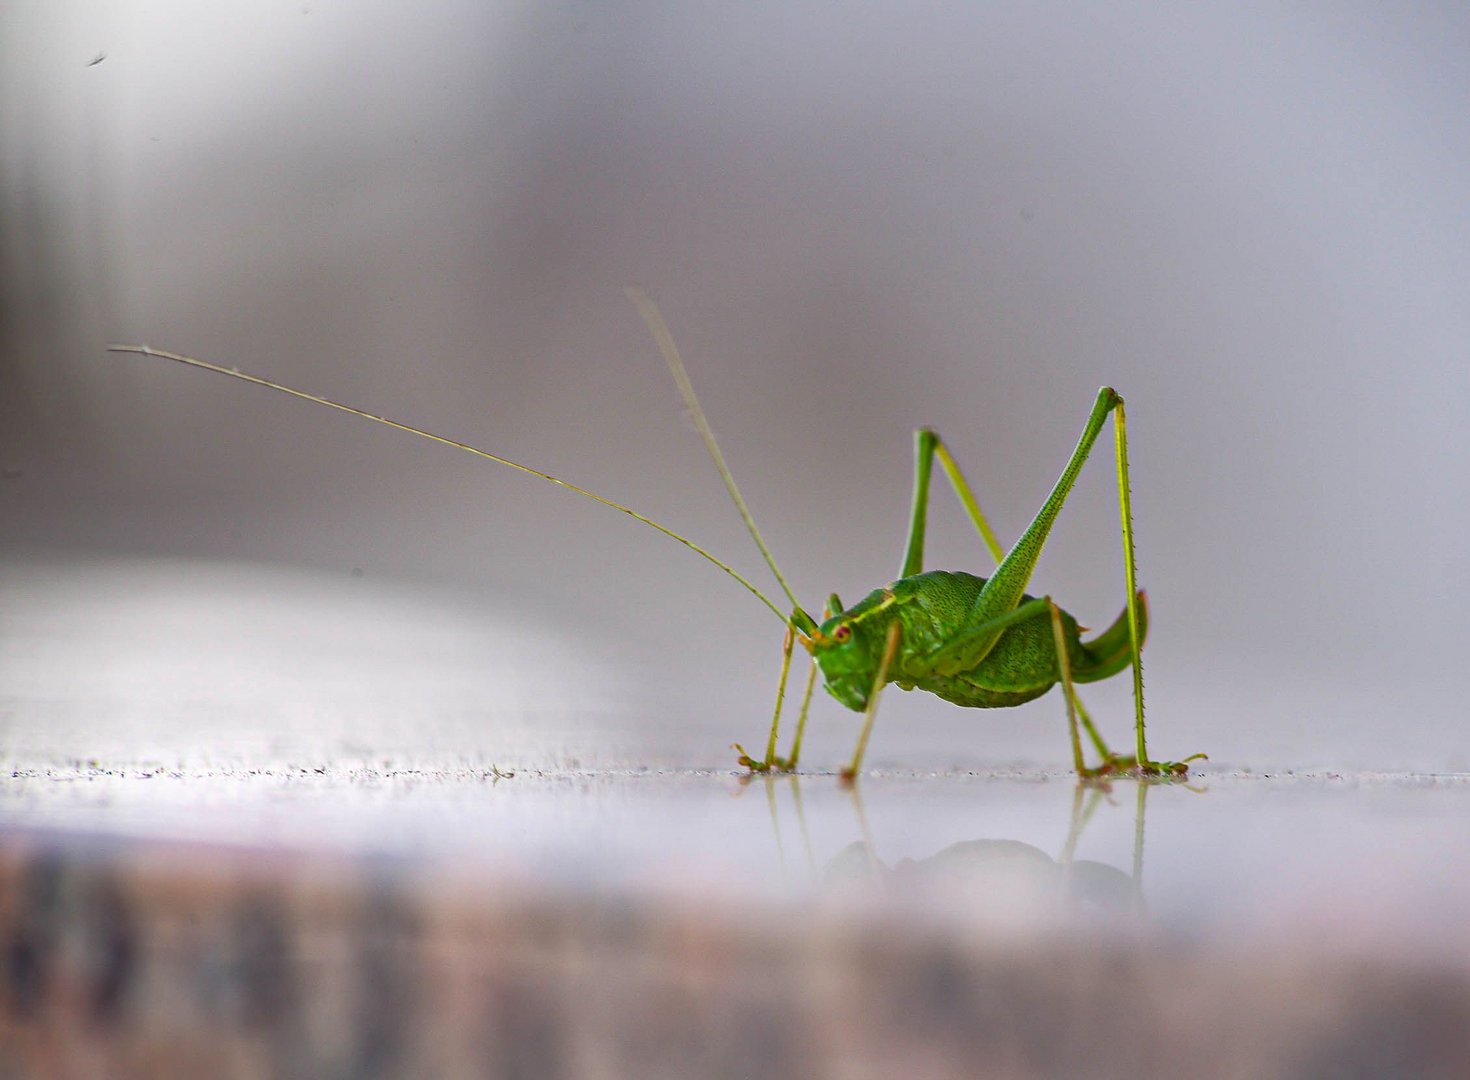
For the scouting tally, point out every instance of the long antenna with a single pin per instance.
(144, 350)
(666, 346)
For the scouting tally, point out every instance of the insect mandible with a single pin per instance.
(979, 642)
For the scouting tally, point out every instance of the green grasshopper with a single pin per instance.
(977, 642)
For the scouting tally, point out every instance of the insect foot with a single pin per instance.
(746, 761)
(1121, 765)
(1169, 769)
(1118, 765)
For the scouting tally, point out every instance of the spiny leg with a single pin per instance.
(1130, 575)
(1142, 762)
(880, 679)
(928, 445)
(769, 760)
(1004, 589)
(1111, 763)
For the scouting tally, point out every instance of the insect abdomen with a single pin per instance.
(937, 605)
(959, 690)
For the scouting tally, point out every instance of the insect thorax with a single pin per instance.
(934, 608)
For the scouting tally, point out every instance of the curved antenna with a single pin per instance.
(666, 346)
(144, 350)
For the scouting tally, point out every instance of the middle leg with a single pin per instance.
(927, 446)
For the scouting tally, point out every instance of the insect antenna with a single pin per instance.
(665, 340)
(145, 350)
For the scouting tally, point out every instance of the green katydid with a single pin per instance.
(974, 641)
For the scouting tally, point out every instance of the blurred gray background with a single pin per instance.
(857, 219)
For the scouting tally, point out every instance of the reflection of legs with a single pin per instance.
(806, 836)
(1078, 821)
(890, 650)
(875, 867)
(928, 445)
(1139, 808)
(776, 827)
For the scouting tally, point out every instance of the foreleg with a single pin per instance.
(765, 764)
(880, 679)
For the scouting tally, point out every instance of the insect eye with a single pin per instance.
(842, 634)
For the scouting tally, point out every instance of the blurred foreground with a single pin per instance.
(423, 923)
